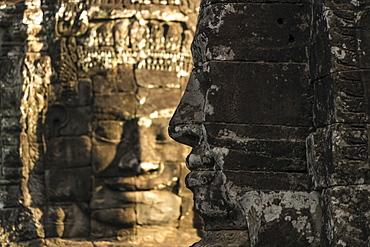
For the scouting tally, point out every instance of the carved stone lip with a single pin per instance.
(197, 162)
(199, 178)
(140, 183)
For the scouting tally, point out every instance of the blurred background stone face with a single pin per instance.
(103, 79)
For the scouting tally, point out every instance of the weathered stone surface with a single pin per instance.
(9, 196)
(160, 101)
(340, 97)
(264, 32)
(68, 221)
(64, 152)
(346, 215)
(121, 79)
(120, 106)
(68, 184)
(287, 102)
(338, 155)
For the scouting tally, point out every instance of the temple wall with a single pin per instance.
(275, 109)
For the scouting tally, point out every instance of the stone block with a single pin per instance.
(78, 123)
(346, 216)
(68, 184)
(268, 206)
(157, 208)
(259, 147)
(252, 32)
(157, 78)
(11, 71)
(273, 94)
(124, 217)
(120, 106)
(81, 95)
(59, 242)
(35, 189)
(9, 140)
(338, 155)
(68, 221)
(106, 158)
(158, 100)
(228, 238)
(340, 97)
(12, 172)
(11, 97)
(119, 79)
(64, 152)
(21, 224)
(11, 156)
(9, 195)
(10, 124)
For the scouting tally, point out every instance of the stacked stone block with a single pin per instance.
(338, 149)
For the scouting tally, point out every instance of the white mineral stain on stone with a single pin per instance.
(219, 154)
(271, 206)
(251, 204)
(328, 14)
(341, 242)
(144, 122)
(215, 87)
(226, 9)
(208, 108)
(142, 100)
(338, 52)
(355, 3)
(360, 181)
(300, 223)
(272, 213)
(223, 53)
(229, 134)
(194, 159)
(165, 113)
(206, 67)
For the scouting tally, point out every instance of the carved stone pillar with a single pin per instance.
(26, 70)
(338, 151)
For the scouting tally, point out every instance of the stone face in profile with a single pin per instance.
(274, 112)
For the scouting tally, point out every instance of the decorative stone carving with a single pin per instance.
(86, 99)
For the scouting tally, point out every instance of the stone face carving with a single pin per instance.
(86, 153)
(257, 109)
(126, 85)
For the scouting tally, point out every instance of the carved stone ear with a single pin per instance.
(56, 119)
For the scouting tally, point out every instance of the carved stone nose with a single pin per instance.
(189, 134)
(147, 167)
(186, 123)
(135, 165)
